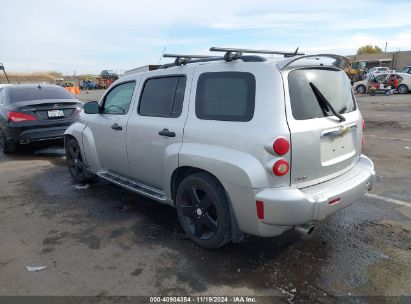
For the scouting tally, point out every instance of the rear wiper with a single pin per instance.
(324, 103)
(343, 110)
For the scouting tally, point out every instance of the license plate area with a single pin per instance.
(55, 113)
(338, 145)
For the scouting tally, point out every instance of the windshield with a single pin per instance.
(38, 93)
(334, 85)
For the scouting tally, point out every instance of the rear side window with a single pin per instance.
(333, 84)
(162, 97)
(227, 96)
(38, 93)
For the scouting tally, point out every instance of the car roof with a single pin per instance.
(28, 86)
(279, 62)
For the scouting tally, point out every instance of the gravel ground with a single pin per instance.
(110, 242)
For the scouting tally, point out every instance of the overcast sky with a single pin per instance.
(89, 36)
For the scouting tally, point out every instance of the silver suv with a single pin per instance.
(239, 144)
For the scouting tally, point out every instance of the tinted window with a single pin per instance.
(163, 97)
(228, 96)
(118, 99)
(38, 92)
(333, 84)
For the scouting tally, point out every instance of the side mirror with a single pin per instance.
(91, 107)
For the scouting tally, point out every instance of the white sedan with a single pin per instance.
(404, 82)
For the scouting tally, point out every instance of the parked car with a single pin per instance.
(406, 69)
(31, 113)
(240, 145)
(404, 82)
(108, 74)
(88, 85)
(378, 71)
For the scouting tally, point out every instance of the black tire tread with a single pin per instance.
(85, 176)
(225, 236)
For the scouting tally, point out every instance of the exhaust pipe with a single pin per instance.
(304, 229)
(24, 141)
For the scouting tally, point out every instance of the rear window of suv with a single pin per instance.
(227, 96)
(333, 84)
(38, 93)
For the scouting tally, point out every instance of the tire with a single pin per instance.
(203, 210)
(75, 162)
(360, 89)
(402, 89)
(5, 146)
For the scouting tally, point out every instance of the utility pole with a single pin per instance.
(4, 71)
(386, 42)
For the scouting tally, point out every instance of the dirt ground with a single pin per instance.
(107, 241)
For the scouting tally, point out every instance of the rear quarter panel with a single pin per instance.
(236, 152)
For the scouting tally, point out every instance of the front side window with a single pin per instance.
(334, 85)
(118, 100)
(162, 97)
(226, 96)
(379, 79)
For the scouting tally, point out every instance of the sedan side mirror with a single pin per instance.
(91, 107)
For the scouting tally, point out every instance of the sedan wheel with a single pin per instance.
(360, 89)
(5, 146)
(402, 89)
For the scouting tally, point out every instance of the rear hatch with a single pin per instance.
(324, 122)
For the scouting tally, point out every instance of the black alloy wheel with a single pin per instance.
(203, 210)
(75, 162)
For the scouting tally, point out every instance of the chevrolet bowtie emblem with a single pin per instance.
(344, 130)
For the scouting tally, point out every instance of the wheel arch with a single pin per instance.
(181, 173)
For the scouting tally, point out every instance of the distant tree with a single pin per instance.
(369, 49)
(55, 74)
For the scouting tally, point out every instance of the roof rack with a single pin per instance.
(235, 53)
(230, 55)
(181, 59)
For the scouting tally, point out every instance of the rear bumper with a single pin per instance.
(25, 136)
(291, 206)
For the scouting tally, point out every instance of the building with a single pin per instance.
(392, 60)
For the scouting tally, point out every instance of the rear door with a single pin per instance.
(155, 129)
(323, 147)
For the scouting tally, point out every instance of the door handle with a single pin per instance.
(116, 127)
(166, 132)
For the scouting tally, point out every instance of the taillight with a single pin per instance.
(281, 167)
(18, 117)
(281, 146)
